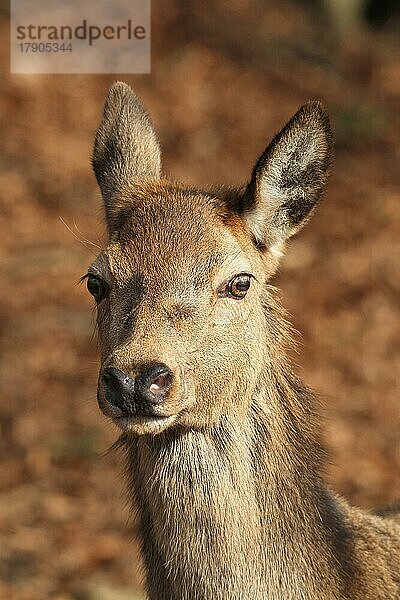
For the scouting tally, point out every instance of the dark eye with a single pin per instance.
(96, 287)
(239, 285)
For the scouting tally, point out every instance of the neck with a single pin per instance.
(239, 510)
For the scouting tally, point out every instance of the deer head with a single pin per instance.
(186, 320)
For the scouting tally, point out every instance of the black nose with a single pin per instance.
(140, 394)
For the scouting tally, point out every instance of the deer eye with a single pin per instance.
(96, 287)
(239, 285)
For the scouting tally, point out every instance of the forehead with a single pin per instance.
(167, 229)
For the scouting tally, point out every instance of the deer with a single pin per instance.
(224, 461)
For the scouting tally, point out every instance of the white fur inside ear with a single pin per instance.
(263, 219)
(277, 249)
(256, 223)
(260, 218)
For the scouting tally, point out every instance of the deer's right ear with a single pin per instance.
(289, 178)
(125, 148)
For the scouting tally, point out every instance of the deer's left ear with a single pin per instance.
(289, 177)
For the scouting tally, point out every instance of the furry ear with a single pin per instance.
(125, 147)
(289, 177)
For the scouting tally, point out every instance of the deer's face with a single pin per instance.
(179, 311)
(181, 286)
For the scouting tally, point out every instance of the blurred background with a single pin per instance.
(226, 74)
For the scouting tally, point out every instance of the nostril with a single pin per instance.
(154, 383)
(161, 383)
(117, 385)
(108, 379)
(115, 378)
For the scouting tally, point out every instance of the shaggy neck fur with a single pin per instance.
(239, 511)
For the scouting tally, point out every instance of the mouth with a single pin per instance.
(143, 424)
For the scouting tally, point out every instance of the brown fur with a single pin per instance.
(227, 480)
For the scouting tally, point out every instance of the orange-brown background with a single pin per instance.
(225, 76)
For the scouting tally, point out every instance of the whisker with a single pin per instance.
(82, 240)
